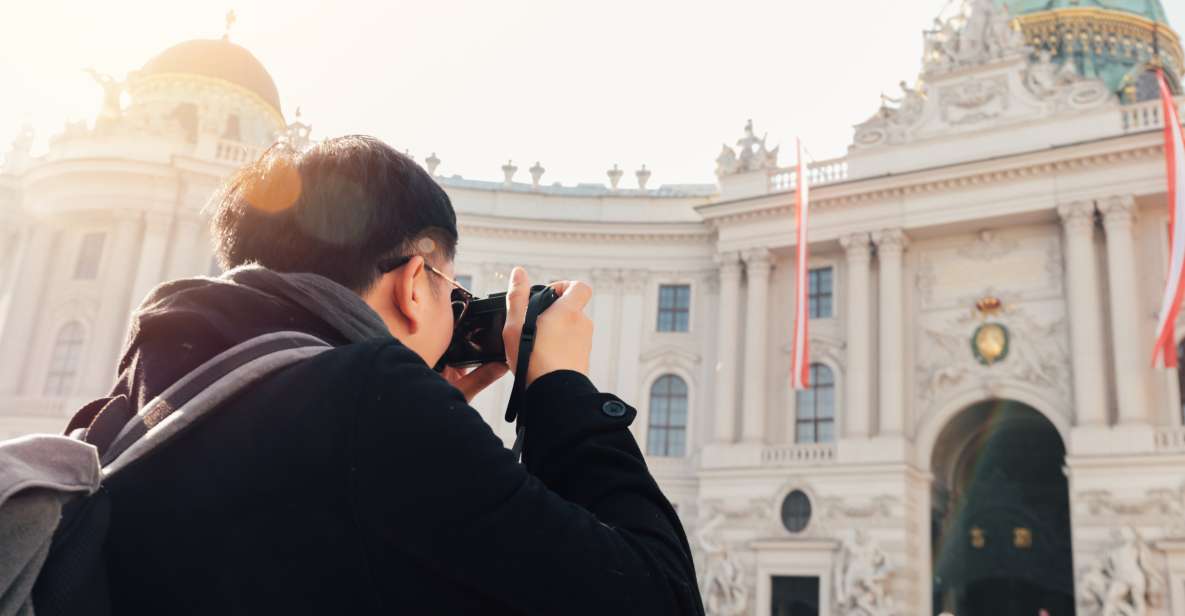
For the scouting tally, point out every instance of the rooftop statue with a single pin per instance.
(112, 108)
(751, 154)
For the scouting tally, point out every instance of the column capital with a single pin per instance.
(1118, 210)
(857, 245)
(1076, 212)
(633, 281)
(890, 240)
(757, 257)
(728, 262)
(603, 278)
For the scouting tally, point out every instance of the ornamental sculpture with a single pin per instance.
(982, 32)
(751, 154)
(724, 590)
(861, 571)
(1121, 580)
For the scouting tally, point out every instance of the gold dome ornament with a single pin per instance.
(989, 343)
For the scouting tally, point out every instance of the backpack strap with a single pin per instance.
(203, 390)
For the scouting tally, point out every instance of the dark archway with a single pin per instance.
(1000, 517)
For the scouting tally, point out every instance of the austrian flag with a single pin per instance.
(1174, 154)
(800, 356)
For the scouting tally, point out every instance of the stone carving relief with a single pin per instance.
(861, 572)
(1061, 84)
(1122, 579)
(974, 101)
(751, 154)
(835, 508)
(727, 581)
(977, 70)
(950, 364)
(1167, 505)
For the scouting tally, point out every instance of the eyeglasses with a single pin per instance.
(459, 297)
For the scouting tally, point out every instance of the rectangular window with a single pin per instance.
(90, 251)
(819, 292)
(674, 307)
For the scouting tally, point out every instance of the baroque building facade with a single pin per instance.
(984, 433)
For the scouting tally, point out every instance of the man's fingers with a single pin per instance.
(574, 294)
(518, 293)
(481, 377)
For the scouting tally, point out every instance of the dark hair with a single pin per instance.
(335, 209)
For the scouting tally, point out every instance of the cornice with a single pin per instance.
(1140, 146)
(521, 228)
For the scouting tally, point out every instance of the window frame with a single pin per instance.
(668, 427)
(815, 420)
(89, 269)
(64, 380)
(812, 298)
(675, 311)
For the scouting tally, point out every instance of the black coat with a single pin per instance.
(360, 481)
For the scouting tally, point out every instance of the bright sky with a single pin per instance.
(576, 85)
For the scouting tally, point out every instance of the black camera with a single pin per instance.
(477, 338)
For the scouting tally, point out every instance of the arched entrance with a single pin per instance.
(1000, 518)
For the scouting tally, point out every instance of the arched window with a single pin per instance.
(63, 363)
(816, 408)
(667, 435)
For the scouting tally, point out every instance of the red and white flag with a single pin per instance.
(1174, 155)
(800, 357)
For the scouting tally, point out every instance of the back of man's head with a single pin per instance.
(335, 209)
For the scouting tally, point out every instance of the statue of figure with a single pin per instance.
(724, 589)
(112, 91)
(860, 574)
(1117, 584)
(751, 155)
(1001, 38)
(1045, 76)
(726, 162)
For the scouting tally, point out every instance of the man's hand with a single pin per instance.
(563, 338)
(476, 380)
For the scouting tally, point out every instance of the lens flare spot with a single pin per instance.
(278, 190)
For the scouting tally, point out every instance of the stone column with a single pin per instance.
(1118, 216)
(187, 251)
(857, 398)
(111, 322)
(757, 269)
(890, 246)
(633, 283)
(727, 333)
(605, 284)
(151, 267)
(1086, 330)
(28, 287)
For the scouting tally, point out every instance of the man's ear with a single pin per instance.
(405, 296)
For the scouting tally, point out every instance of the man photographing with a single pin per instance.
(360, 480)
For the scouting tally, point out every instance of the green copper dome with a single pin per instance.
(1148, 9)
(1117, 41)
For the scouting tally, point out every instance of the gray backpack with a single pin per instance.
(54, 513)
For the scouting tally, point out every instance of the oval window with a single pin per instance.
(796, 511)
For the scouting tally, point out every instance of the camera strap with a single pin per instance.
(526, 342)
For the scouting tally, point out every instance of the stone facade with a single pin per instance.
(1001, 190)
